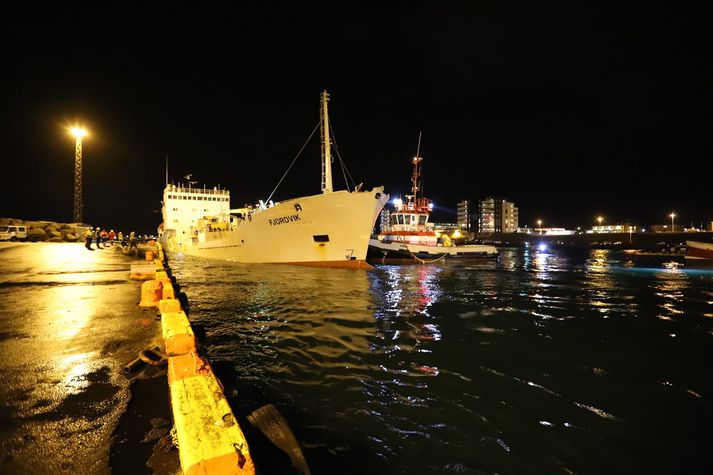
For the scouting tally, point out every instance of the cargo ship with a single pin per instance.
(330, 229)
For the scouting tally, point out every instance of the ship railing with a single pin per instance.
(185, 189)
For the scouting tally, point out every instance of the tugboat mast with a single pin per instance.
(326, 146)
(415, 179)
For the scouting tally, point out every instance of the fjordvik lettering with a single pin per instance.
(285, 219)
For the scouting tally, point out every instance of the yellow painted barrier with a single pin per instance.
(168, 292)
(209, 438)
(142, 271)
(178, 337)
(151, 292)
(169, 305)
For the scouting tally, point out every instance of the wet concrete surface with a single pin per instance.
(69, 323)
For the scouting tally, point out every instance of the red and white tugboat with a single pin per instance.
(410, 238)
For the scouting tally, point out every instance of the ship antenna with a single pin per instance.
(418, 147)
(326, 147)
(415, 179)
(166, 169)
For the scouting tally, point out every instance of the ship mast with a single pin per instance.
(326, 146)
(415, 179)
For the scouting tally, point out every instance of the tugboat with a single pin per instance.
(410, 238)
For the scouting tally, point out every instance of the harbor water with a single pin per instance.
(537, 362)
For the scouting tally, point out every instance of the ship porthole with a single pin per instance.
(377, 196)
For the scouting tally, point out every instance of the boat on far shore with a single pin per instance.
(699, 250)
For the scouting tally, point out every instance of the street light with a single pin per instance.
(673, 215)
(539, 225)
(78, 133)
(600, 219)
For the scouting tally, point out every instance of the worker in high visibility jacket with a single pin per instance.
(88, 236)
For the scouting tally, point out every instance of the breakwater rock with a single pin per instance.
(50, 231)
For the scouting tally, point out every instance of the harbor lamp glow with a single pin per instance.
(78, 133)
(600, 219)
(673, 215)
(539, 225)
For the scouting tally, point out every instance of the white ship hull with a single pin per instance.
(330, 230)
(384, 251)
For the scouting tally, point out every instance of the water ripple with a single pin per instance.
(535, 362)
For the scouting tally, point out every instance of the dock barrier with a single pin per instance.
(209, 437)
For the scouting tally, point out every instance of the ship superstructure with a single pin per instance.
(185, 206)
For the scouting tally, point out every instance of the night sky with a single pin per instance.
(571, 111)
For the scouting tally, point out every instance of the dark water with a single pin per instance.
(535, 363)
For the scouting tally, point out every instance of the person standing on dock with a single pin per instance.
(132, 241)
(88, 239)
(112, 236)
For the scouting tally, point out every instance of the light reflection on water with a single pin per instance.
(537, 362)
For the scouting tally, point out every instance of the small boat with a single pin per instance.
(699, 250)
(410, 238)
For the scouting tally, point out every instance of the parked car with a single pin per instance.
(13, 233)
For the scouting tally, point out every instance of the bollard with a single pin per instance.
(151, 292)
(149, 255)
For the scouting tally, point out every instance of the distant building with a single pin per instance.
(614, 228)
(666, 228)
(510, 217)
(464, 215)
(497, 215)
(548, 231)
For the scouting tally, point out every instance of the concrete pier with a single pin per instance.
(70, 322)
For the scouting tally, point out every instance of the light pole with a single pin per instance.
(78, 133)
(631, 228)
(673, 215)
(539, 225)
(600, 219)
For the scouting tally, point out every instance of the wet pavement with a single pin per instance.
(70, 323)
